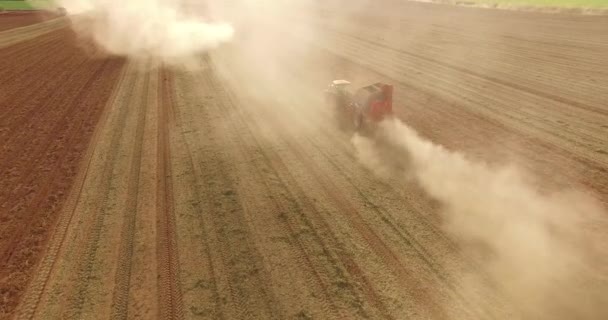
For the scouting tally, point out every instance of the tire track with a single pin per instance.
(221, 270)
(122, 281)
(88, 247)
(193, 170)
(170, 300)
(238, 268)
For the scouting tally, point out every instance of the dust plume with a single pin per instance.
(537, 248)
(146, 28)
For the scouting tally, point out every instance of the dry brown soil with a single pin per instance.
(16, 19)
(49, 108)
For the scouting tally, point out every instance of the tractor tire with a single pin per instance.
(358, 122)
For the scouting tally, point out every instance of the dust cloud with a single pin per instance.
(146, 28)
(538, 248)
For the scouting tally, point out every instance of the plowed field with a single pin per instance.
(131, 189)
(17, 19)
(50, 106)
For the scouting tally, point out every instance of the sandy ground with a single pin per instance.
(190, 194)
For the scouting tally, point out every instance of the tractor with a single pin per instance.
(362, 109)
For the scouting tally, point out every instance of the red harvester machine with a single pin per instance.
(367, 106)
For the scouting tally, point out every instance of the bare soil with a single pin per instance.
(138, 190)
(17, 19)
(48, 110)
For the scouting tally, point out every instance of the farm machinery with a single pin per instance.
(360, 109)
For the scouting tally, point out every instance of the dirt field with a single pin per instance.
(137, 190)
(530, 84)
(46, 125)
(17, 19)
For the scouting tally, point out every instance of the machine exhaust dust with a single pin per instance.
(537, 248)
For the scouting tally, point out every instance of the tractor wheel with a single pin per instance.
(358, 122)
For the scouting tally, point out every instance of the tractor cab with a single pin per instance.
(338, 87)
(337, 93)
